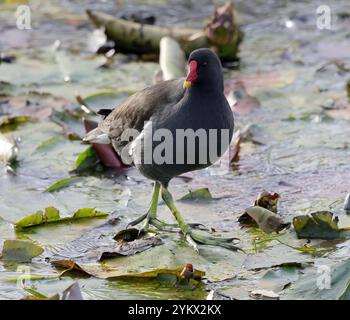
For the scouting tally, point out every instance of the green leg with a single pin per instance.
(150, 218)
(193, 236)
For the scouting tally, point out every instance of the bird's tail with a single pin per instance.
(97, 136)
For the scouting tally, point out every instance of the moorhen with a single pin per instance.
(195, 104)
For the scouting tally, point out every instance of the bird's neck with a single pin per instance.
(204, 92)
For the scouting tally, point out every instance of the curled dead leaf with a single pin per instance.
(266, 220)
(265, 200)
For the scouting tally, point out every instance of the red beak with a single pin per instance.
(192, 74)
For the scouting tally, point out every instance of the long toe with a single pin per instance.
(137, 221)
(206, 239)
(149, 221)
(163, 226)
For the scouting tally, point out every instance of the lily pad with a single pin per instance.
(160, 260)
(199, 194)
(101, 243)
(20, 250)
(85, 252)
(73, 292)
(326, 283)
(52, 215)
(87, 160)
(10, 123)
(320, 225)
(43, 146)
(63, 183)
(278, 255)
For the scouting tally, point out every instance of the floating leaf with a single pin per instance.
(33, 277)
(87, 160)
(52, 214)
(73, 292)
(265, 200)
(88, 213)
(199, 194)
(320, 225)
(67, 119)
(20, 250)
(316, 286)
(277, 255)
(10, 123)
(84, 254)
(48, 143)
(115, 274)
(267, 220)
(68, 265)
(63, 183)
(36, 294)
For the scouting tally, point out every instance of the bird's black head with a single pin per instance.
(204, 69)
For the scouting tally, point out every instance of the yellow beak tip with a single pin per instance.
(186, 84)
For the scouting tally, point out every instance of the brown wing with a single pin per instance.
(140, 107)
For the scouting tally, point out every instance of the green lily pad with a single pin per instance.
(52, 214)
(277, 255)
(161, 260)
(63, 183)
(10, 123)
(142, 257)
(320, 225)
(43, 146)
(147, 274)
(199, 194)
(87, 160)
(73, 292)
(328, 282)
(20, 250)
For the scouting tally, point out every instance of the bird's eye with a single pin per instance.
(204, 64)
